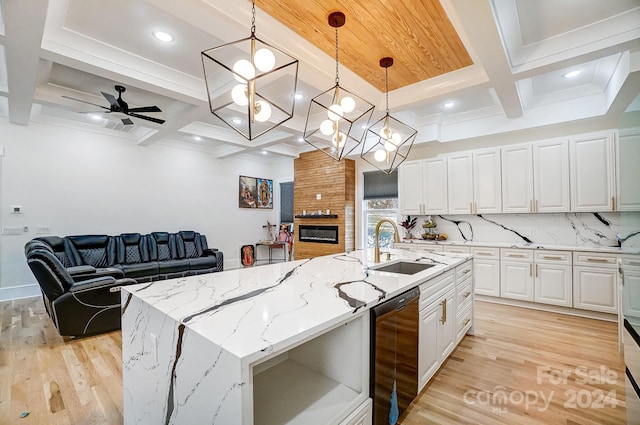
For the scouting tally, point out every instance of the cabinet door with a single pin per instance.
(410, 188)
(447, 330)
(517, 179)
(595, 289)
(460, 180)
(435, 186)
(551, 176)
(487, 277)
(427, 348)
(592, 177)
(631, 292)
(516, 280)
(628, 172)
(553, 285)
(487, 182)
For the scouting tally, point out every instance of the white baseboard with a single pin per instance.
(17, 292)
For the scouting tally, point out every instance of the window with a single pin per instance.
(380, 201)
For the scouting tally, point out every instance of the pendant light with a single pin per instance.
(250, 84)
(388, 141)
(337, 119)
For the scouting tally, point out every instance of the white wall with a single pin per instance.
(80, 182)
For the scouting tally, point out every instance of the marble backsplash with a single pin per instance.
(571, 229)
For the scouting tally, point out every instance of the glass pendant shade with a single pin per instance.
(337, 119)
(388, 141)
(250, 85)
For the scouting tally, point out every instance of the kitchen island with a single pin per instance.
(275, 344)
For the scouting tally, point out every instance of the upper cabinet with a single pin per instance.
(422, 187)
(474, 182)
(628, 172)
(410, 189)
(517, 179)
(592, 173)
(551, 176)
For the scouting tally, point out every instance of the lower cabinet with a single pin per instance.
(361, 416)
(595, 282)
(516, 274)
(446, 314)
(553, 281)
(486, 271)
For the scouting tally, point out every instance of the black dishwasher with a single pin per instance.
(394, 356)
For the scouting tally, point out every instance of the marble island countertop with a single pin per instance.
(603, 249)
(253, 312)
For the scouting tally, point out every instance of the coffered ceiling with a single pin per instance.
(501, 63)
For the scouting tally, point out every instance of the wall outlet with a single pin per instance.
(154, 347)
(318, 197)
(12, 230)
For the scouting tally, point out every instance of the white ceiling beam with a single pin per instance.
(480, 26)
(177, 115)
(24, 27)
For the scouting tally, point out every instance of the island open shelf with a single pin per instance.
(318, 382)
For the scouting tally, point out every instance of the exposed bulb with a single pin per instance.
(326, 127)
(339, 139)
(380, 155)
(396, 138)
(264, 60)
(263, 111)
(243, 70)
(389, 146)
(239, 95)
(348, 104)
(335, 112)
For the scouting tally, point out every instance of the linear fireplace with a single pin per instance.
(318, 234)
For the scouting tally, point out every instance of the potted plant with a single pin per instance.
(408, 225)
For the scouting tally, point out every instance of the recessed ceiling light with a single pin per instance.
(300, 139)
(163, 36)
(298, 96)
(572, 74)
(449, 105)
(197, 138)
(364, 126)
(94, 117)
(237, 121)
(264, 152)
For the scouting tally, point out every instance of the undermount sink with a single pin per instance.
(403, 267)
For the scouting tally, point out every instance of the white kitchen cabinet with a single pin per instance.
(437, 329)
(474, 182)
(592, 172)
(486, 271)
(460, 178)
(361, 416)
(422, 187)
(553, 280)
(516, 274)
(551, 176)
(410, 188)
(595, 280)
(628, 171)
(517, 179)
(457, 249)
(412, 246)
(630, 266)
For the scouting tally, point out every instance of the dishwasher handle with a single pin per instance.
(397, 303)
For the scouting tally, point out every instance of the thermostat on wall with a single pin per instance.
(16, 209)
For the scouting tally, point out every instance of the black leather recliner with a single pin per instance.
(133, 257)
(76, 307)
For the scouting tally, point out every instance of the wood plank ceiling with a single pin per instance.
(417, 34)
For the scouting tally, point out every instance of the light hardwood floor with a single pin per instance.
(79, 381)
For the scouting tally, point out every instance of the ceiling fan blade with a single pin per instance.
(112, 100)
(152, 119)
(84, 101)
(127, 121)
(146, 109)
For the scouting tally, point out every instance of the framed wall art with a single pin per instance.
(255, 192)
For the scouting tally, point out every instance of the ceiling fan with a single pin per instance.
(119, 105)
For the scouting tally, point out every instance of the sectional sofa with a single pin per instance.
(80, 276)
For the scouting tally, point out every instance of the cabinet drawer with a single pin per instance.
(429, 248)
(524, 255)
(595, 259)
(456, 249)
(629, 261)
(463, 293)
(464, 270)
(481, 252)
(433, 289)
(464, 322)
(553, 257)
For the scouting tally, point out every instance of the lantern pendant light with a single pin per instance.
(337, 119)
(245, 82)
(388, 141)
